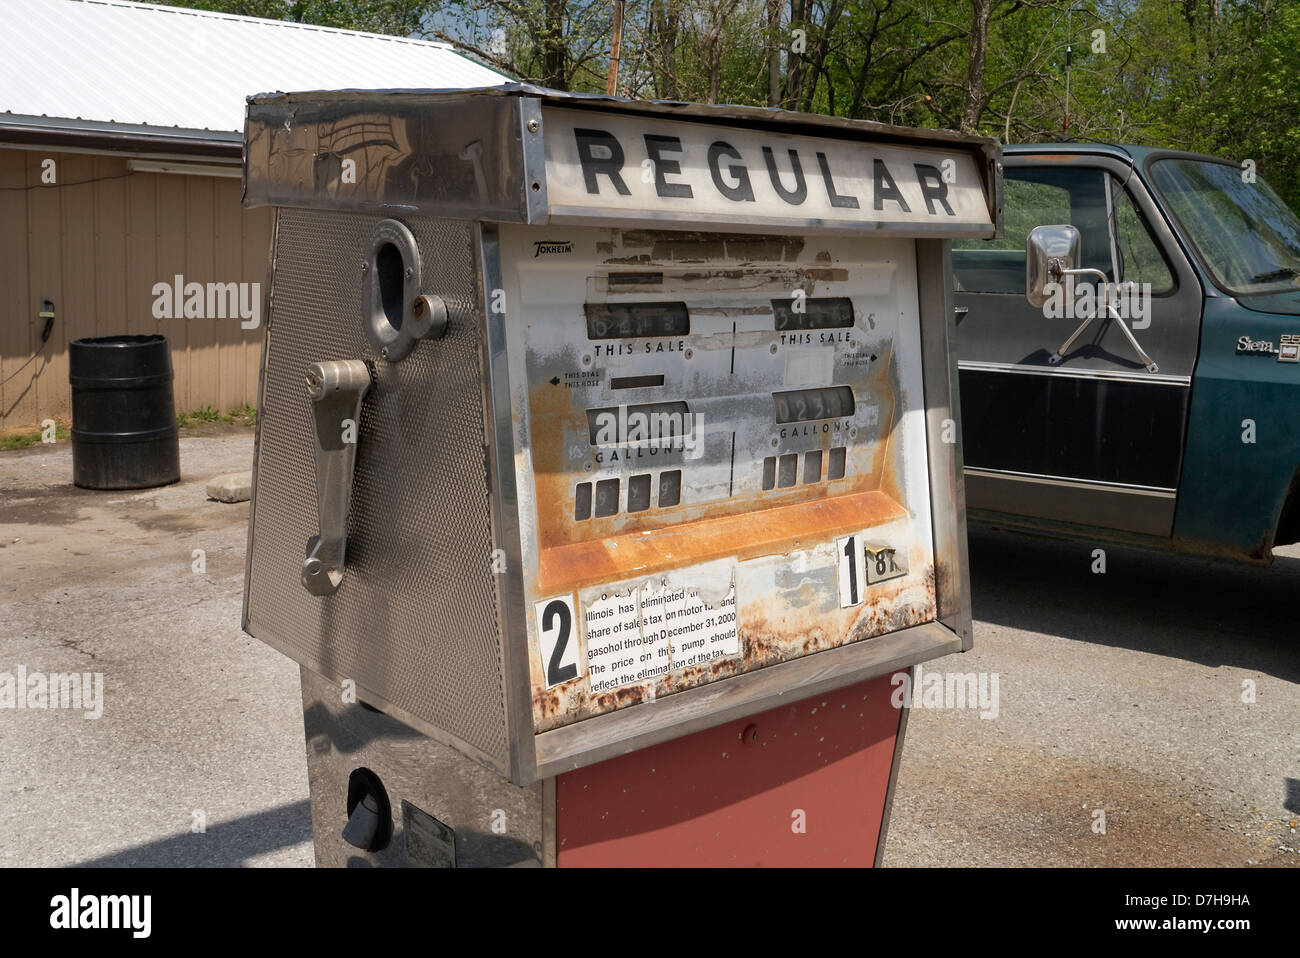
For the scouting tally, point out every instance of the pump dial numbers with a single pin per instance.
(860, 567)
(557, 641)
(853, 574)
(882, 564)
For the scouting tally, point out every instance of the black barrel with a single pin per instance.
(124, 433)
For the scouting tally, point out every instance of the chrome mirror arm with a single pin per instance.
(1057, 356)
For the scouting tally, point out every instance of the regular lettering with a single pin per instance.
(673, 165)
(655, 147)
(885, 187)
(741, 190)
(800, 192)
(844, 202)
(600, 152)
(933, 188)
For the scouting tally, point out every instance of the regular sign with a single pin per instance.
(701, 173)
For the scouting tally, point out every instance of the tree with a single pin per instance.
(1215, 76)
(973, 108)
(396, 17)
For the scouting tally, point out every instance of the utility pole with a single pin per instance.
(773, 52)
(1069, 59)
(616, 44)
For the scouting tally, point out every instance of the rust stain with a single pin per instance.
(748, 535)
(796, 619)
(772, 629)
(612, 548)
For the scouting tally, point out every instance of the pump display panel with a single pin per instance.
(714, 434)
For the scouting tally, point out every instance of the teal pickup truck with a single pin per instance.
(1131, 372)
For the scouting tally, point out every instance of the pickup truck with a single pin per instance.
(1173, 423)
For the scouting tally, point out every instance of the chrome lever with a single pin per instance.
(336, 389)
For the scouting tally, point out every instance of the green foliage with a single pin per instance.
(1213, 76)
(396, 17)
(244, 415)
(22, 438)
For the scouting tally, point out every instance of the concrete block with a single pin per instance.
(231, 487)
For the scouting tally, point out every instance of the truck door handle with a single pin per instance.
(336, 389)
(960, 312)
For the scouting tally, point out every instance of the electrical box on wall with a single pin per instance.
(588, 424)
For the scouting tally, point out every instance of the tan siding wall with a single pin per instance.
(96, 243)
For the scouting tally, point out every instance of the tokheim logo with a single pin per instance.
(547, 247)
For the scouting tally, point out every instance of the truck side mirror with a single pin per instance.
(1049, 250)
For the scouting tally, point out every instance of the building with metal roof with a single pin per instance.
(103, 70)
(121, 134)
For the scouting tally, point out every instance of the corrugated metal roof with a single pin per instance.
(162, 70)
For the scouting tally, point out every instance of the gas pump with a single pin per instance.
(607, 468)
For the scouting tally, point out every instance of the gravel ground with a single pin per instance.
(200, 723)
(1119, 693)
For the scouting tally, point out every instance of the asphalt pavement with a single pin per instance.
(1148, 715)
(198, 757)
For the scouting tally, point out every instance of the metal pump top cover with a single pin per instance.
(524, 154)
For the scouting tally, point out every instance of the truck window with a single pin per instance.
(1140, 259)
(998, 266)
(1045, 196)
(1242, 231)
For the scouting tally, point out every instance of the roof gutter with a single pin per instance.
(89, 136)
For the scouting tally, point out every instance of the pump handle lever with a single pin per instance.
(336, 389)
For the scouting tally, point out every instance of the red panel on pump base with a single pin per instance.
(800, 785)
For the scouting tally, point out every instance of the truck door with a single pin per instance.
(1097, 439)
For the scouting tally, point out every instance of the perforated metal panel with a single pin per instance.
(415, 621)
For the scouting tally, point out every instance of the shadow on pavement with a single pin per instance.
(224, 845)
(1185, 607)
